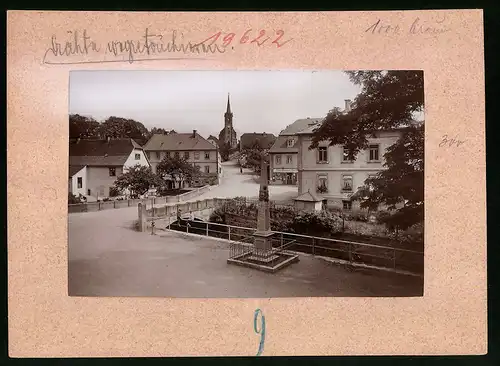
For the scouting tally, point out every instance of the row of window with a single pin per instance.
(373, 154)
(186, 155)
(347, 183)
(289, 159)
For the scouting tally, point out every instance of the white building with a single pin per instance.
(328, 172)
(94, 165)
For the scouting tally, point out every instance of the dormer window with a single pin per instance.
(290, 142)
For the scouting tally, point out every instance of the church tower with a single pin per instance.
(228, 124)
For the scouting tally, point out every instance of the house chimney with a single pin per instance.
(194, 133)
(348, 105)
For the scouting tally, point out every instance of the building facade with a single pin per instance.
(228, 135)
(192, 147)
(328, 172)
(283, 155)
(213, 140)
(94, 165)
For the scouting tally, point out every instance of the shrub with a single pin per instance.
(72, 199)
(218, 216)
(316, 223)
(412, 235)
(114, 192)
(357, 216)
(365, 229)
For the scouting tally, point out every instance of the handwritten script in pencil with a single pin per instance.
(79, 47)
(447, 141)
(417, 27)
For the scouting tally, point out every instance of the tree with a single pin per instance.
(82, 127)
(117, 127)
(254, 154)
(177, 169)
(402, 181)
(388, 100)
(225, 151)
(138, 180)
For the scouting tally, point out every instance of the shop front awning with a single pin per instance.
(284, 170)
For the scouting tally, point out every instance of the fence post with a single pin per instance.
(394, 259)
(313, 247)
(281, 239)
(207, 228)
(229, 237)
(99, 206)
(350, 253)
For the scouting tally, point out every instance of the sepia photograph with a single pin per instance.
(246, 184)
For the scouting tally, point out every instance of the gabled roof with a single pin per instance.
(178, 142)
(73, 169)
(308, 197)
(114, 152)
(281, 145)
(299, 125)
(265, 140)
(212, 137)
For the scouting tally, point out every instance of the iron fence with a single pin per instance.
(351, 252)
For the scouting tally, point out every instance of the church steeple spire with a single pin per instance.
(228, 109)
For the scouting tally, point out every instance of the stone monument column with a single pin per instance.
(262, 240)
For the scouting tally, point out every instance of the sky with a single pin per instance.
(261, 101)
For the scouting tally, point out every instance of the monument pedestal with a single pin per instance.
(263, 247)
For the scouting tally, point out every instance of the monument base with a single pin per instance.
(263, 256)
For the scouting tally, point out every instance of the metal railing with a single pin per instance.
(246, 246)
(378, 256)
(111, 204)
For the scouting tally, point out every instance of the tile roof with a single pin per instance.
(98, 160)
(307, 197)
(73, 169)
(101, 152)
(309, 130)
(281, 145)
(265, 140)
(212, 137)
(299, 125)
(178, 142)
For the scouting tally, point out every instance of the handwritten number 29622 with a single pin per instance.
(249, 37)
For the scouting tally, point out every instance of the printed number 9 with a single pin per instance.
(262, 330)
